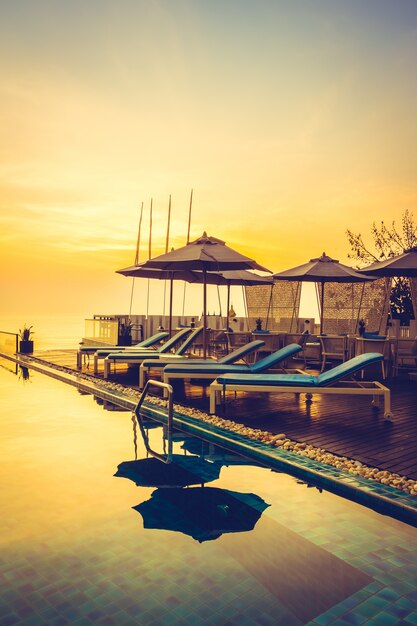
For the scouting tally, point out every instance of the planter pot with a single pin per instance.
(124, 341)
(26, 347)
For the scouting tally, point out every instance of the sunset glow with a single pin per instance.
(290, 121)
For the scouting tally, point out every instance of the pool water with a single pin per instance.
(81, 545)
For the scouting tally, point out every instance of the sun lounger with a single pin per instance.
(164, 348)
(133, 357)
(232, 357)
(331, 382)
(150, 342)
(212, 370)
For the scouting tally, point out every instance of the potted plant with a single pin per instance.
(26, 343)
(258, 323)
(125, 334)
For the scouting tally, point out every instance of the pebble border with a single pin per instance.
(351, 466)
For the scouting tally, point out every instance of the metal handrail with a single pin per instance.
(156, 383)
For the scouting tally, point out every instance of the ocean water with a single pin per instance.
(50, 331)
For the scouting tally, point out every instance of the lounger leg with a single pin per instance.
(387, 405)
(106, 368)
(141, 377)
(213, 400)
(95, 364)
(376, 401)
(79, 360)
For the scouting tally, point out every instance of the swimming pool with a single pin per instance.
(75, 550)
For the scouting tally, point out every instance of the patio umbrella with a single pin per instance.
(181, 472)
(401, 266)
(404, 264)
(204, 513)
(235, 277)
(323, 270)
(139, 271)
(206, 254)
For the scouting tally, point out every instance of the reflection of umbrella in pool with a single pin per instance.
(182, 471)
(323, 270)
(206, 254)
(204, 513)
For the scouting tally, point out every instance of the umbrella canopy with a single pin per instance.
(204, 513)
(401, 265)
(206, 254)
(181, 472)
(140, 271)
(235, 277)
(323, 270)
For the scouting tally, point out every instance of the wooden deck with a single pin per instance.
(344, 425)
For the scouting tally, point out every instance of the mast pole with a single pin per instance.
(166, 248)
(188, 241)
(136, 259)
(150, 252)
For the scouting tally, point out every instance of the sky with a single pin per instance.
(291, 122)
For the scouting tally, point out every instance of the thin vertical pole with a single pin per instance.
(171, 294)
(150, 253)
(228, 306)
(189, 217)
(355, 330)
(136, 259)
(269, 307)
(204, 314)
(188, 241)
(246, 308)
(322, 307)
(166, 246)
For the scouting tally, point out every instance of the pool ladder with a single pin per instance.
(165, 458)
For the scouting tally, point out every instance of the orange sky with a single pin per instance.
(291, 122)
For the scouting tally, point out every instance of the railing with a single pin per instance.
(9, 342)
(102, 331)
(156, 383)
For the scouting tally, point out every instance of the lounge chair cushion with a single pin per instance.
(221, 368)
(275, 357)
(280, 380)
(239, 353)
(131, 355)
(302, 380)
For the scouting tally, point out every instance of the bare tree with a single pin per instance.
(388, 241)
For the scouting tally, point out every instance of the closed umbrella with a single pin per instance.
(323, 270)
(205, 254)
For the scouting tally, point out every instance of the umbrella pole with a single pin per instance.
(171, 290)
(321, 307)
(204, 314)
(228, 306)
